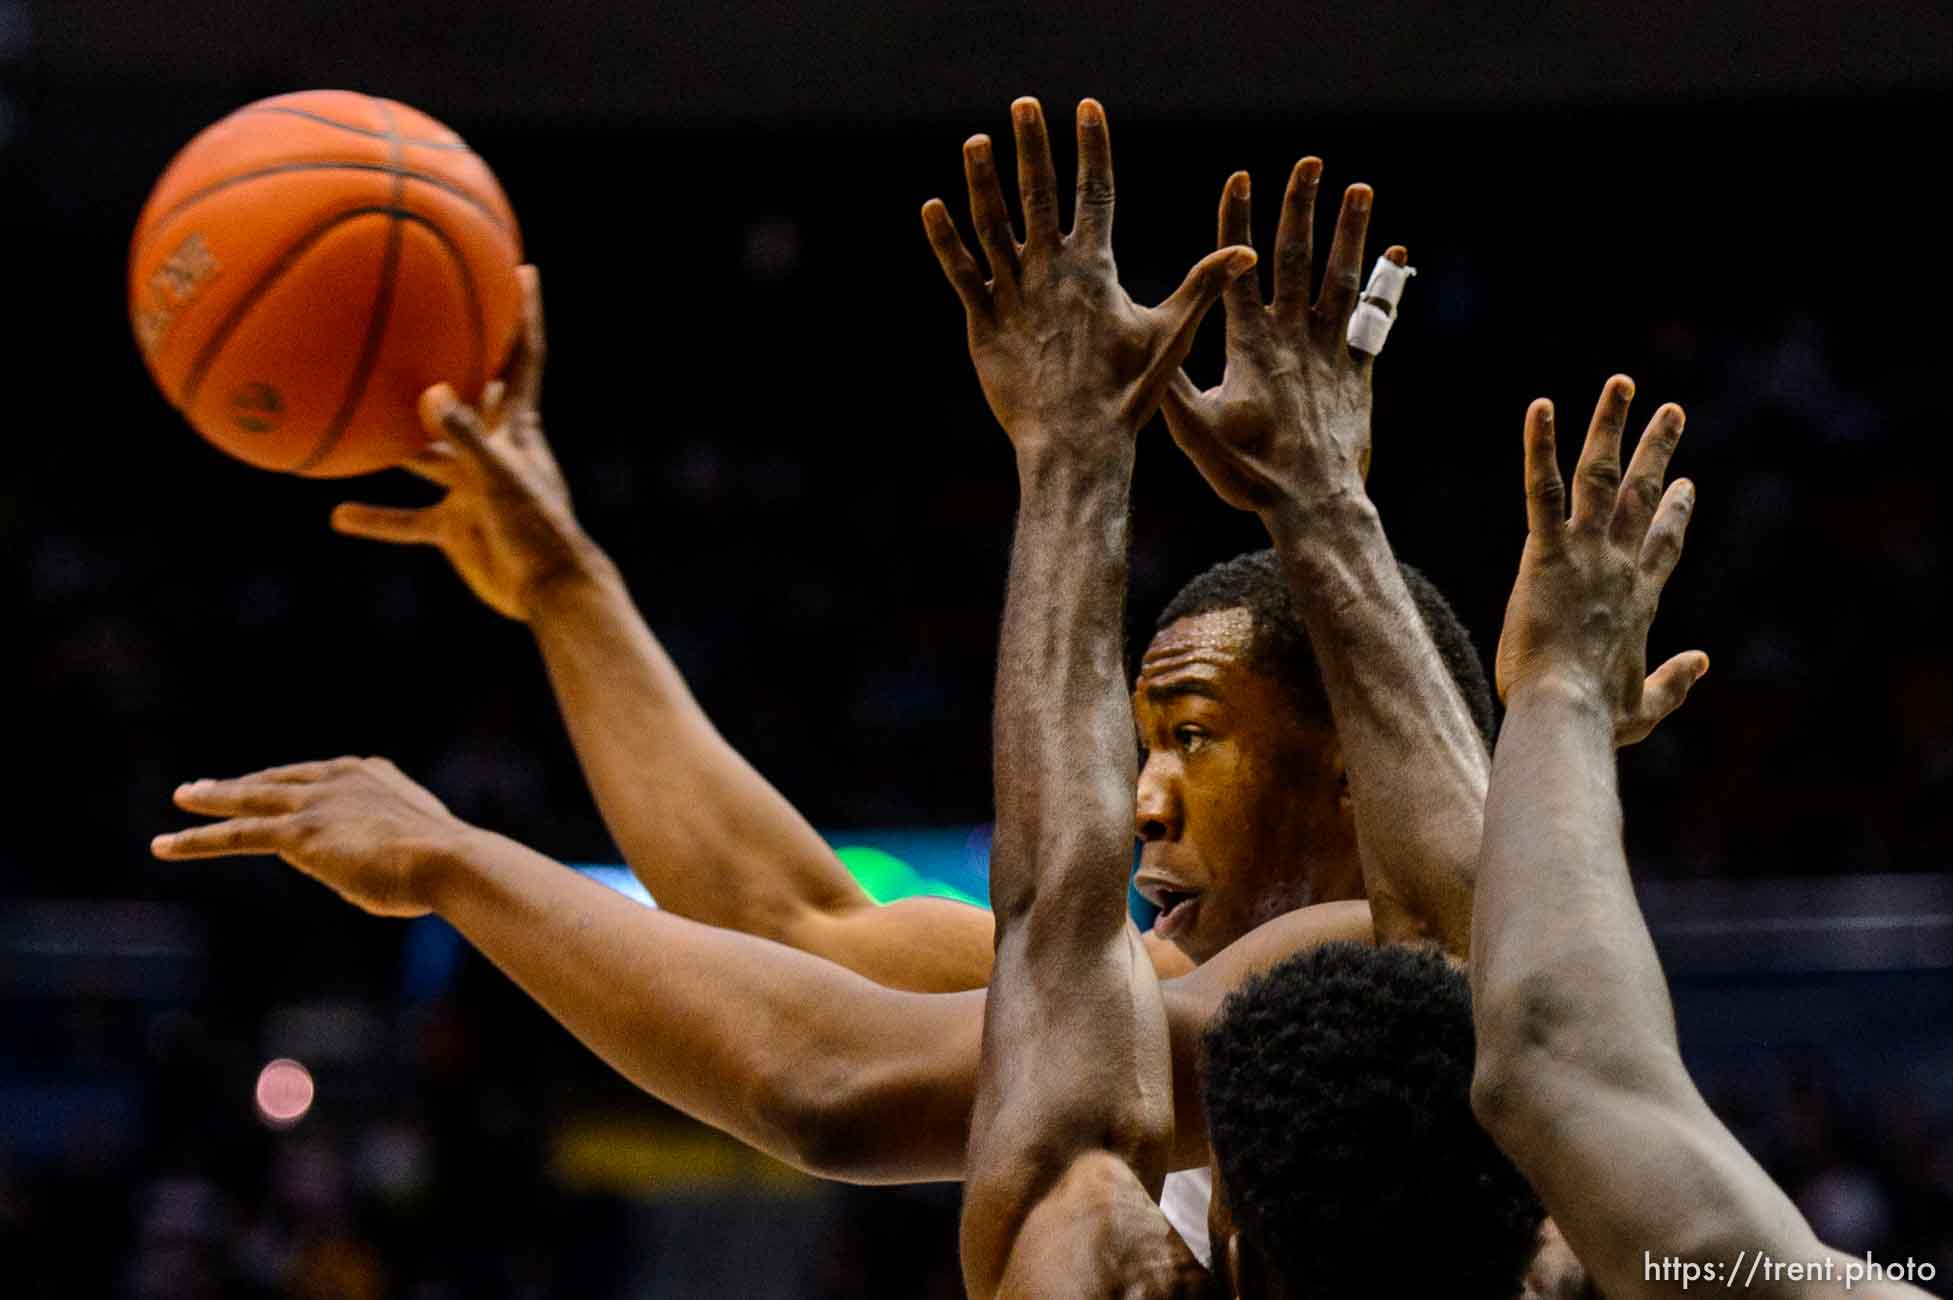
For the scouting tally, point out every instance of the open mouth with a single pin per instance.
(1178, 908)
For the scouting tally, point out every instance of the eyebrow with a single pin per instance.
(1185, 686)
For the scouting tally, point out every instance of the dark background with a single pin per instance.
(759, 393)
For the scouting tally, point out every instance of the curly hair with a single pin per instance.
(1338, 1095)
(1254, 582)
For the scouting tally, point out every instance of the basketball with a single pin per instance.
(308, 265)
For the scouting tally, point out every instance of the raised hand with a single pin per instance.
(1289, 423)
(1588, 584)
(356, 825)
(1061, 351)
(505, 523)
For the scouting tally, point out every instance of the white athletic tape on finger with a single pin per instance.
(1369, 326)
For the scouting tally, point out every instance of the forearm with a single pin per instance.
(1416, 762)
(710, 838)
(1063, 735)
(1561, 957)
(794, 1055)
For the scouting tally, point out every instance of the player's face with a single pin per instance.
(1242, 813)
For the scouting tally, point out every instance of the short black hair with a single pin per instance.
(1338, 1095)
(1254, 582)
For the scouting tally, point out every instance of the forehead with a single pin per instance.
(1213, 646)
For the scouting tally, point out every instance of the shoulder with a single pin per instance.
(1099, 1234)
(1269, 944)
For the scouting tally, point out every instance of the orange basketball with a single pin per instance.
(308, 265)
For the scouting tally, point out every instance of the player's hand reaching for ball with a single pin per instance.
(1588, 584)
(357, 825)
(1289, 424)
(505, 523)
(1065, 357)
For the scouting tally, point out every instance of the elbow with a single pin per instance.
(1543, 1056)
(1498, 1097)
(1522, 1044)
(813, 1116)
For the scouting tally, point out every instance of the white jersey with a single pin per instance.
(1184, 1202)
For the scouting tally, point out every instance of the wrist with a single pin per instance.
(1072, 463)
(1304, 523)
(444, 871)
(1561, 688)
(583, 569)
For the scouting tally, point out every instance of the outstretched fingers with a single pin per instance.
(1545, 490)
(1342, 280)
(1236, 228)
(989, 213)
(387, 523)
(1362, 356)
(1641, 486)
(252, 796)
(959, 268)
(1092, 215)
(1037, 179)
(1295, 242)
(1663, 545)
(226, 838)
(1597, 478)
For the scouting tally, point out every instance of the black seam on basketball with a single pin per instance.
(205, 358)
(194, 380)
(376, 324)
(367, 131)
(440, 182)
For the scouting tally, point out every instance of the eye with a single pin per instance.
(1189, 736)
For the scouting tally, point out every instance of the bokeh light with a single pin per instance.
(284, 1092)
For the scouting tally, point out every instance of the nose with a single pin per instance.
(1157, 809)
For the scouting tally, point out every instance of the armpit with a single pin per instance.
(1098, 1234)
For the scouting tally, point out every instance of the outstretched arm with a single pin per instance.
(1287, 434)
(706, 833)
(794, 1055)
(1073, 1123)
(1579, 1075)
(789, 1053)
